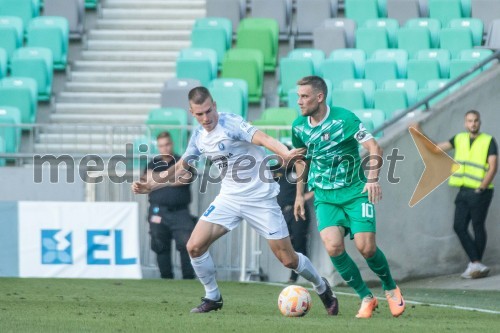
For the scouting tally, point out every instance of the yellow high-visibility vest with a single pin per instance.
(472, 160)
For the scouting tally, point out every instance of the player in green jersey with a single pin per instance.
(344, 196)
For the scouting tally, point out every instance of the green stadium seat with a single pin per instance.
(391, 25)
(423, 70)
(159, 120)
(210, 38)
(390, 101)
(277, 117)
(441, 55)
(20, 93)
(260, 34)
(292, 70)
(288, 115)
(3, 63)
(433, 25)
(371, 39)
(445, 10)
(375, 116)
(229, 99)
(456, 40)
(409, 86)
(400, 56)
(11, 135)
(381, 70)
(24, 9)
(355, 55)
(51, 32)
(2, 150)
(414, 39)
(197, 63)
(242, 85)
(348, 98)
(367, 86)
(217, 22)
(361, 10)
(338, 70)
(11, 34)
(36, 63)
(475, 25)
(248, 65)
(317, 57)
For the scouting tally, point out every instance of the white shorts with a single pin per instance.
(263, 216)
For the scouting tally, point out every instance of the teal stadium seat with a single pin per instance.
(338, 70)
(11, 34)
(3, 63)
(20, 93)
(248, 65)
(423, 70)
(372, 39)
(24, 9)
(390, 101)
(350, 99)
(242, 85)
(357, 56)
(456, 40)
(409, 86)
(475, 25)
(11, 134)
(51, 32)
(214, 38)
(432, 86)
(367, 86)
(399, 56)
(432, 25)
(445, 10)
(159, 120)
(361, 10)
(197, 63)
(2, 150)
(217, 22)
(36, 63)
(229, 99)
(443, 56)
(375, 116)
(414, 39)
(391, 26)
(91, 4)
(292, 70)
(317, 57)
(381, 70)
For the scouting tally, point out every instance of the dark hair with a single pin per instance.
(317, 83)
(199, 95)
(164, 135)
(474, 112)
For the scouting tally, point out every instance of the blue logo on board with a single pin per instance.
(56, 247)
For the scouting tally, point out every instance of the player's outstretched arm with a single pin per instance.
(173, 176)
(262, 139)
(372, 185)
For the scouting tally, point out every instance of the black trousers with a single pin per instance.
(472, 207)
(298, 232)
(165, 226)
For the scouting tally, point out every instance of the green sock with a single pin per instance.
(350, 273)
(379, 265)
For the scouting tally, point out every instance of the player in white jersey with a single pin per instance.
(248, 192)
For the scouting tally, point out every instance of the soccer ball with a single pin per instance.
(294, 301)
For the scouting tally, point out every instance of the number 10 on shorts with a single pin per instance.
(367, 210)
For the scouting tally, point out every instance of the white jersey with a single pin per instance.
(239, 161)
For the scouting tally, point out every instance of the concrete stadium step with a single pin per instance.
(72, 138)
(96, 109)
(131, 24)
(122, 66)
(93, 129)
(176, 4)
(111, 87)
(129, 56)
(139, 35)
(137, 45)
(73, 148)
(120, 77)
(91, 119)
(145, 14)
(108, 97)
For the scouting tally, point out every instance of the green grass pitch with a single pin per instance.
(74, 305)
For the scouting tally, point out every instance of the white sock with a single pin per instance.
(205, 271)
(308, 272)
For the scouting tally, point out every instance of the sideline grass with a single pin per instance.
(72, 305)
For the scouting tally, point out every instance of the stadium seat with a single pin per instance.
(475, 26)
(367, 86)
(403, 10)
(248, 65)
(229, 99)
(52, 33)
(431, 87)
(210, 38)
(414, 39)
(371, 39)
(445, 10)
(348, 25)
(292, 70)
(277, 117)
(20, 93)
(328, 39)
(279, 10)
(24, 9)
(72, 10)
(456, 40)
(3, 63)
(240, 84)
(217, 22)
(260, 34)
(350, 99)
(36, 63)
(380, 70)
(174, 92)
(443, 56)
(317, 57)
(231, 9)
(409, 86)
(338, 70)
(390, 101)
(423, 70)
(459, 66)
(391, 26)
(377, 117)
(168, 117)
(357, 56)
(400, 56)
(310, 14)
(433, 25)
(361, 10)
(197, 63)
(2, 150)
(11, 34)
(466, 7)
(485, 10)
(11, 135)
(91, 4)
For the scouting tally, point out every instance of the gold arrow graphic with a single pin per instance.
(438, 166)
